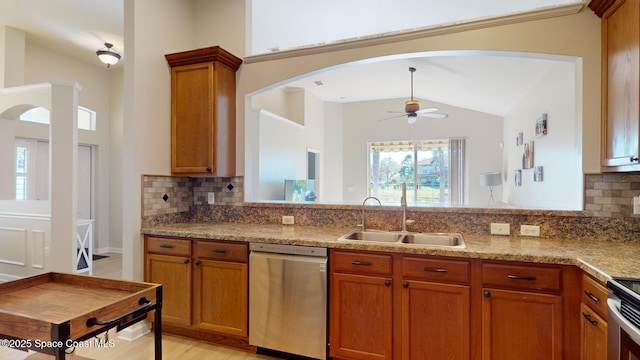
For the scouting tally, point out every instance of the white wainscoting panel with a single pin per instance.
(37, 249)
(13, 246)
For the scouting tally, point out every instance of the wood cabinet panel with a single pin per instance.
(221, 297)
(171, 272)
(594, 295)
(175, 247)
(521, 325)
(522, 277)
(593, 331)
(436, 269)
(364, 263)
(221, 251)
(361, 317)
(435, 321)
(621, 86)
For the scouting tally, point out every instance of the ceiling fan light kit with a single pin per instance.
(108, 56)
(412, 107)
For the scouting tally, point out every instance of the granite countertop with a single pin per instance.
(600, 258)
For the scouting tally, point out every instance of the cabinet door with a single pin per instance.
(361, 317)
(174, 273)
(192, 126)
(521, 325)
(620, 85)
(593, 330)
(435, 321)
(221, 297)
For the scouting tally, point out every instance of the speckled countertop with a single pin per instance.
(602, 259)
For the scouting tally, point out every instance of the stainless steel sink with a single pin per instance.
(376, 236)
(429, 239)
(435, 239)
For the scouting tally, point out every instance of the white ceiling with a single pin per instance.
(479, 81)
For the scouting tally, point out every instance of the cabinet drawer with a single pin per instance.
(436, 269)
(522, 277)
(177, 247)
(221, 251)
(594, 295)
(361, 263)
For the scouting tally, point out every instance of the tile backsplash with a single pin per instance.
(611, 195)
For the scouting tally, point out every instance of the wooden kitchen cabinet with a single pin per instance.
(206, 284)
(168, 262)
(436, 316)
(528, 311)
(620, 83)
(203, 112)
(593, 325)
(391, 306)
(361, 306)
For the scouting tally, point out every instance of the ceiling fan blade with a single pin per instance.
(434, 115)
(393, 117)
(395, 112)
(427, 110)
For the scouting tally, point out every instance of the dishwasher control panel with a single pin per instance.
(289, 249)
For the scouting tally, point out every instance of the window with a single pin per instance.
(86, 117)
(423, 165)
(21, 173)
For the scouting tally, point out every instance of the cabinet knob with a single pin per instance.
(387, 282)
(186, 261)
(633, 158)
(405, 284)
(208, 169)
(197, 262)
(487, 293)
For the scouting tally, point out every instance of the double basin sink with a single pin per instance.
(453, 240)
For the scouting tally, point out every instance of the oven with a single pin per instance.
(624, 319)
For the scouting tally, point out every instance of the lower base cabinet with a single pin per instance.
(206, 285)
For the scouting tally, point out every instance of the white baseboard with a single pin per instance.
(107, 250)
(135, 331)
(8, 277)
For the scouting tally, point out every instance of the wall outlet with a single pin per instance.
(529, 230)
(211, 198)
(288, 220)
(500, 229)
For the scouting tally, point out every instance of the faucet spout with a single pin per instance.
(363, 205)
(403, 204)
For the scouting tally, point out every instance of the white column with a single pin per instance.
(63, 160)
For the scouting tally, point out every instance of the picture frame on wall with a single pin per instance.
(518, 178)
(519, 139)
(527, 156)
(541, 126)
(537, 174)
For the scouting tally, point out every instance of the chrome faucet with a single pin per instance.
(363, 204)
(403, 204)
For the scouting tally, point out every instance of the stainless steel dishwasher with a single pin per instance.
(288, 299)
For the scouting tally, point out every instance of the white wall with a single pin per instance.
(333, 156)
(483, 133)
(555, 95)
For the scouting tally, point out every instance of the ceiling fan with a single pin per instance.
(412, 108)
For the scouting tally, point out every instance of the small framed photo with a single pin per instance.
(541, 126)
(518, 177)
(527, 156)
(519, 139)
(537, 174)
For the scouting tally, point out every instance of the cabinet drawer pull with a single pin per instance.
(518, 277)
(219, 251)
(591, 296)
(166, 246)
(435, 270)
(588, 317)
(633, 158)
(361, 263)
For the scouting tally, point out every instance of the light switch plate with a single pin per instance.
(288, 220)
(529, 230)
(211, 198)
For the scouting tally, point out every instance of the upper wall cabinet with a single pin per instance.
(203, 112)
(620, 83)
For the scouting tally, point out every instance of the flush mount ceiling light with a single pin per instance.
(108, 56)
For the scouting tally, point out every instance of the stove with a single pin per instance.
(628, 290)
(624, 319)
